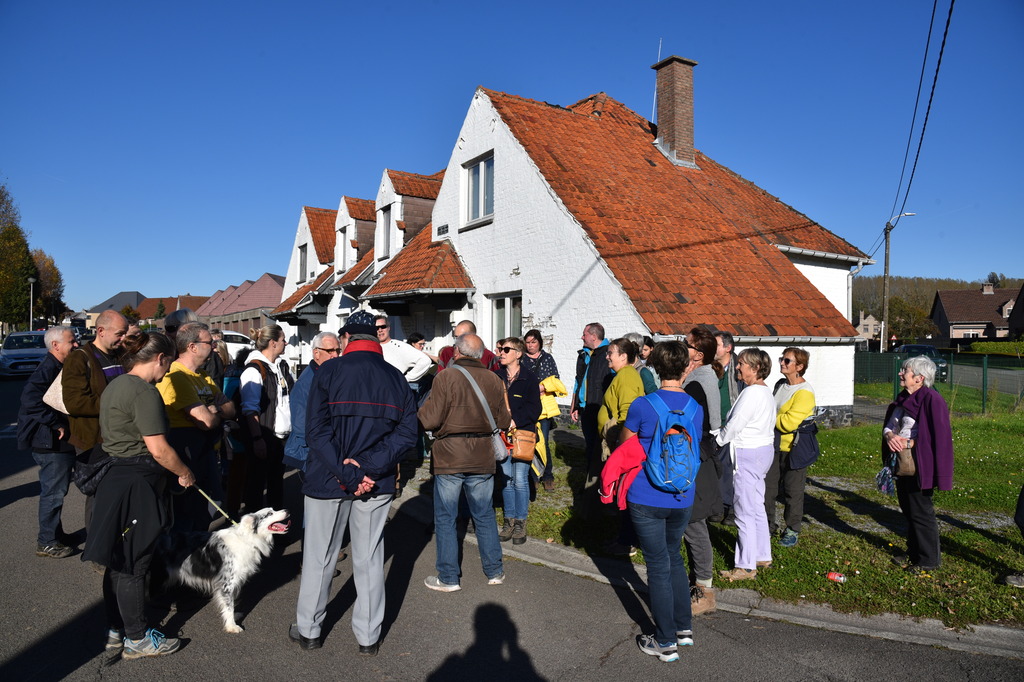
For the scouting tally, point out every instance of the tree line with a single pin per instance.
(19, 264)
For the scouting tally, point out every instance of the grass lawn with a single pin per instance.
(961, 399)
(852, 528)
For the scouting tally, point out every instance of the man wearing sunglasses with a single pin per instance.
(411, 362)
(326, 347)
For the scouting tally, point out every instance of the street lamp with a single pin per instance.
(889, 227)
(31, 282)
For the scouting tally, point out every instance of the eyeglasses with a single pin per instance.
(506, 349)
(785, 361)
(329, 350)
(198, 342)
(381, 326)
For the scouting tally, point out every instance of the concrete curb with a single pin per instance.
(991, 640)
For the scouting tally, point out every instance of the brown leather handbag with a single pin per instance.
(905, 465)
(524, 443)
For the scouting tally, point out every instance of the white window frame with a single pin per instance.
(303, 255)
(479, 183)
(506, 315)
(385, 233)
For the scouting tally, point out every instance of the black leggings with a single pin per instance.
(124, 596)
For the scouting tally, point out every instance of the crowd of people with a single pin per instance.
(144, 412)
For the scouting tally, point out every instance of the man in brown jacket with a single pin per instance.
(463, 459)
(87, 371)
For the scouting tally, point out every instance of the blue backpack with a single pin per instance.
(674, 457)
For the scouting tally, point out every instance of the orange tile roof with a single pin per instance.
(416, 185)
(361, 209)
(688, 246)
(421, 265)
(147, 307)
(289, 303)
(356, 270)
(321, 229)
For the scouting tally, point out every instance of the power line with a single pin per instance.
(924, 124)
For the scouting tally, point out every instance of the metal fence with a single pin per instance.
(970, 382)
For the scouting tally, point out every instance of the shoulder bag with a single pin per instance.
(497, 442)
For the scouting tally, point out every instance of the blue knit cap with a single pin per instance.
(359, 322)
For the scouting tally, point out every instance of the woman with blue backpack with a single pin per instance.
(659, 495)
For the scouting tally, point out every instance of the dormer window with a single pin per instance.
(302, 263)
(480, 190)
(384, 243)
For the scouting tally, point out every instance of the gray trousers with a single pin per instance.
(698, 544)
(325, 522)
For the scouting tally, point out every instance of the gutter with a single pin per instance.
(416, 292)
(823, 254)
(775, 340)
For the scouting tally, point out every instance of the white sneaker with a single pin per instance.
(496, 580)
(434, 583)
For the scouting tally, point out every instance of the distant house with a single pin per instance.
(116, 302)
(552, 217)
(243, 307)
(868, 327)
(149, 308)
(974, 313)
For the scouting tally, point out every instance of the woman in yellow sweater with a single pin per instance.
(626, 386)
(794, 397)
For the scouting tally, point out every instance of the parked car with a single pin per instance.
(21, 353)
(912, 350)
(235, 342)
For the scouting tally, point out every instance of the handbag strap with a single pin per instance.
(480, 397)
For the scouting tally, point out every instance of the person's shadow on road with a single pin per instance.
(495, 654)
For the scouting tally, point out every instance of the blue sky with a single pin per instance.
(169, 147)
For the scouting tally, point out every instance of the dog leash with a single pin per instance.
(215, 505)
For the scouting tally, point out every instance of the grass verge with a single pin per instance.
(961, 399)
(852, 528)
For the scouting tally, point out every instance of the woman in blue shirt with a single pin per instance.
(659, 517)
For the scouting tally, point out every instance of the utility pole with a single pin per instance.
(884, 340)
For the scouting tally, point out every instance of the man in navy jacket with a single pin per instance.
(44, 430)
(360, 421)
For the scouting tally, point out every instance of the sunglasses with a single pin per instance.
(381, 326)
(785, 361)
(506, 349)
(329, 350)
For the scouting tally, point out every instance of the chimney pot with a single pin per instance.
(675, 109)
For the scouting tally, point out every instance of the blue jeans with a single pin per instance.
(660, 531)
(515, 494)
(479, 488)
(54, 479)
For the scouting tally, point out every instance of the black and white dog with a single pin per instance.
(219, 563)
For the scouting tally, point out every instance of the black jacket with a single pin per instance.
(523, 398)
(598, 377)
(37, 421)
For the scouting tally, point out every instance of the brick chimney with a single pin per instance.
(675, 110)
(987, 288)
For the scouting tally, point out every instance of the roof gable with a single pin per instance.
(688, 246)
(321, 229)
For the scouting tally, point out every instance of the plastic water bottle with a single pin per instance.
(836, 577)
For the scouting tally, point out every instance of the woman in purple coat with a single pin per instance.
(919, 419)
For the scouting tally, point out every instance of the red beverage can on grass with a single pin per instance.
(836, 577)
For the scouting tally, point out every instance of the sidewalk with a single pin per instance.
(980, 639)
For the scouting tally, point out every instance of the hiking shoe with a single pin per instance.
(549, 485)
(1015, 580)
(789, 538)
(650, 646)
(901, 560)
(152, 644)
(684, 637)
(505, 534)
(434, 583)
(115, 639)
(518, 531)
(496, 580)
(702, 600)
(739, 574)
(54, 550)
(764, 564)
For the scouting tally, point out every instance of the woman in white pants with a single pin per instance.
(750, 431)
